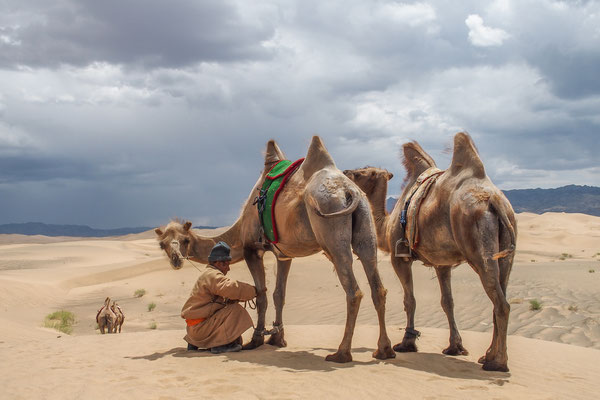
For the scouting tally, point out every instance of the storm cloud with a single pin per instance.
(130, 113)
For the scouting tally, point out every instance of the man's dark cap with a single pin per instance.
(220, 252)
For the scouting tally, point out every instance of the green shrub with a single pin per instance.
(139, 293)
(60, 320)
(591, 271)
(573, 308)
(152, 325)
(535, 305)
(151, 306)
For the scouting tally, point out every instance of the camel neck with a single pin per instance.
(377, 199)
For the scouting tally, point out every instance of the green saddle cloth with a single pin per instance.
(273, 184)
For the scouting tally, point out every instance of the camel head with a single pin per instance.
(175, 241)
(369, 179)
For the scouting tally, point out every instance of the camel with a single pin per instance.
(319, 209)
(120, 316)
(106, 318)
(463, 217)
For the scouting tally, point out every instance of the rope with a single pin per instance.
(250, 303)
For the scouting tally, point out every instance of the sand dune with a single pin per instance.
(553, 352)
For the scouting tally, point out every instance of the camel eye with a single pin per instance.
(162, 245)
(186, 241)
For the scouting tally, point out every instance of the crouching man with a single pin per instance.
(215, 320)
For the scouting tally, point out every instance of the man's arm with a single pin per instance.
(232, 289)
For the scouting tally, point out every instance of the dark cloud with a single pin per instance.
(144, 33)
(118, 114)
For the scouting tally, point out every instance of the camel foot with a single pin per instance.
(277, 340)
(384, 354)
(339, 357)
(455, 350)
(256, 341)
(481, 360)
(495, 366)
(403, 347)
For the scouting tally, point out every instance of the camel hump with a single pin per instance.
(317, 158)
(273, 153)
(466, 156)
(415, 159)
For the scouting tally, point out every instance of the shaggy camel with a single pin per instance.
(106, 318)
(463, 217)
(318, 209)
(120, 316)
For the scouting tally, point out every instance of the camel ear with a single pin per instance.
(158, 232)
(390, 176)
(187, 226)
(349, 173)
(273, 153)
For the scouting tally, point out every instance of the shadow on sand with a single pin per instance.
(308, 360)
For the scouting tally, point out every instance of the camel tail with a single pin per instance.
(503, 209)
(346, 211)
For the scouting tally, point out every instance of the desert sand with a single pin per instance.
(554, 352)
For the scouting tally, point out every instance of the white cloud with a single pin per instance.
(484, 36)
(410, 14)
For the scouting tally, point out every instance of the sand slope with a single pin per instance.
(553, 352)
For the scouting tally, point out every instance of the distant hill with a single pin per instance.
(39, 228)
(568, 199)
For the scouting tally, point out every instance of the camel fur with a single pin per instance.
(120, 316)
(106, 318)
(319, 209)
(463, 218)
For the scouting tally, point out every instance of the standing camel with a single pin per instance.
(462, 217)
(319, 209)
(106, 318)
(120, 316)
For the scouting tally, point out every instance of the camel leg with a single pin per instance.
(404, 271)
(257, 269)
(482, 244)
(283, 270)
(365, 247)
(343, 267)
(444, 277)
(505, 265)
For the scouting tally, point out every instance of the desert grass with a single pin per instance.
(591, 271)
(152, 325)
(61, 321)
(564, 256)
(151, 306)
(573, 308)
(535, 305)
(139, 293)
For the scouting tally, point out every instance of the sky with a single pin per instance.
(129, 113)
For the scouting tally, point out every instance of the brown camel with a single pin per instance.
(120, 316)
(106, 318)
(319, 209)
(463, 217)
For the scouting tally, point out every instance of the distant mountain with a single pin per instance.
(39, 228)
(568, 199)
